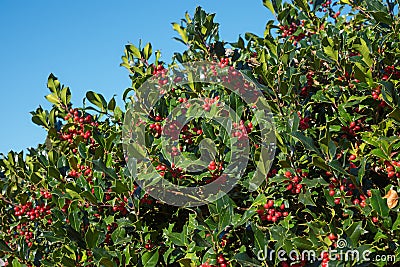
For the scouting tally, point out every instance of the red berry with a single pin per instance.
(221, 259)
(332, 236)
(352, 157)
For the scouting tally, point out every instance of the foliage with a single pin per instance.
(332, 82)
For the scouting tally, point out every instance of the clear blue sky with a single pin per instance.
(81, 42)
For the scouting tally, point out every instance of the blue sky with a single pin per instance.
(82, 43)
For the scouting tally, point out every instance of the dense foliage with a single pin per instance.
(330, 72)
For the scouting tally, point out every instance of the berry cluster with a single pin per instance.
(393, 169)
(290, 30)
(295, 186)
(66, 206)
(182, 99)
(110, 229)
(304, 122)
(337, 14)
(272, 173)
(156, 128)
(187, 136)
(353, 128)
(270, 214)
(324, 6)
(391, 71)
(81, 169)
(339, 189)
(310, 81)
(221, 262)
(80, 127)
(32, 212)
(149, 245)
(120, 205)
(176, 172)
(212, 166)
(376, 93)
(23, 230)
(348, 79)
(208, 102)
(325, 259)
(45, 193)
(241, 130)
(224, 62)
(146, 200)
(161, 72)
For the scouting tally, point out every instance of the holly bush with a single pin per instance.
(329, 72)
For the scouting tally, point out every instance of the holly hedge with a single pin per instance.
(330, 73)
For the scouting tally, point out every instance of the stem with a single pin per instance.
(7, 201)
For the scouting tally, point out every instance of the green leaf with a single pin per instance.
(395, 114)
(74, 218)
(335, 164)
(52, 98)
(53, 84)
(362, 47)
(97, 100)
(354, 233)
(111, 105)
(361, 171)
(303, 4)
(396, 224)
(54, 172)
(177, 238)
(307, 142)
(109, 219)
(331, 52)
(147, 51)
(150, 259)
(15, 263)
(82, 150)
(4, 247)
(302, 243)
(181, 31)
(134, 50)
(382, 17)
(379, 204)
(306, 199)
(379, 153)
(319, 162)
(65, 96)
(120, 187)
(100, 166)
(89, 196)
(91, 237)
(260, 242)
(246, 260)
(268, 4)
